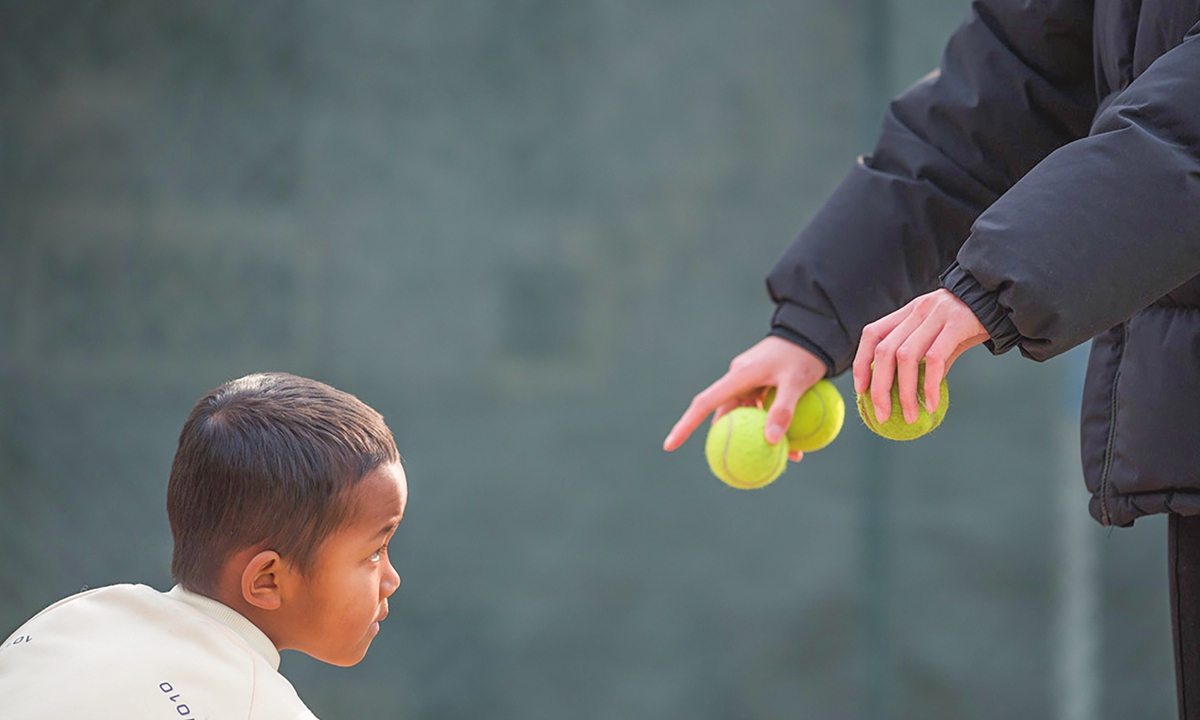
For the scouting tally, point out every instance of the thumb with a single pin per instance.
(779, 417)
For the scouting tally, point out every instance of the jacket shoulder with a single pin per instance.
(126, 651)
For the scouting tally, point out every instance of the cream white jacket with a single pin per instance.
(129, 651)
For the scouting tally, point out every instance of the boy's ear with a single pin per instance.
(262, 579)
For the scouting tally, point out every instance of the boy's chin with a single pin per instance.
(342, 660)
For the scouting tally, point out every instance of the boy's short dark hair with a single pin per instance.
(267, 460)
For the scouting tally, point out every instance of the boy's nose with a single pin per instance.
(391, 581)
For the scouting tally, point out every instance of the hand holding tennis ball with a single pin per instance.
(738, 452)
(895, 427)
(935, 328)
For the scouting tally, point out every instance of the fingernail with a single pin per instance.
(879, 414)
(774, 432)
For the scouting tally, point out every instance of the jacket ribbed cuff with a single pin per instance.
(817, 332)
(986, 305)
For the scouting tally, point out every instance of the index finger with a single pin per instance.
(872, 335)
(708, 400)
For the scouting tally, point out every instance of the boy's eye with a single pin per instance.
(378, 553)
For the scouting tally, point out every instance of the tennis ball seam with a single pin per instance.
(775, 470)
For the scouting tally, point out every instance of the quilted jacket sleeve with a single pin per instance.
(1102, 227)
(1015, 83)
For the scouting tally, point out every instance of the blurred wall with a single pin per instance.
(527, 232)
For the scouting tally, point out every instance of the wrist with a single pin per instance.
(985, 305)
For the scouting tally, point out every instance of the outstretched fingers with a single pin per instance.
(772, 362)
(715, 396)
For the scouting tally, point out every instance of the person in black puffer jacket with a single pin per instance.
(1040, 189)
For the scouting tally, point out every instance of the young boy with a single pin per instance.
(283, 496)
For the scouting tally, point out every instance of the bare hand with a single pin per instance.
(937, 328)
(773, 362)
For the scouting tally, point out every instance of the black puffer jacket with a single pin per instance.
(1048, 175)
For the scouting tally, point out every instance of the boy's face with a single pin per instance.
(336, 607)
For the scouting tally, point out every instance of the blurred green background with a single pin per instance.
(528, 232)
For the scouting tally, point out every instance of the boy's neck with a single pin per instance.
(232, 619)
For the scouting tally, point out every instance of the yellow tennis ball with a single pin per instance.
(738, 453)
(817, 419)
(896, 428)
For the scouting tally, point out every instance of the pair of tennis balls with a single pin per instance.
(740, 456)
